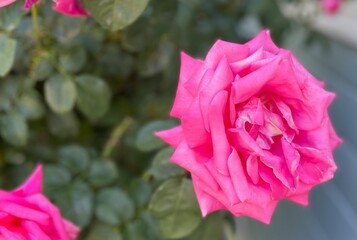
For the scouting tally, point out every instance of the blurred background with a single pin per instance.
(84, 100)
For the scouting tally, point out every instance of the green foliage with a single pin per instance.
(175, 205)
(7, 56)
(60, 93)
(146, 140)
(86, 102)
(93, 96)
(102, 173)
(115, 14)
(113, 206)
(161, 168)
(13, 129)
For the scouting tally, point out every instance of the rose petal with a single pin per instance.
(193, 126)
(232, 51)
(23, 212)
(262, 40)
(172, 136)
(207, 203)
(183, 99)
(28, 4)
(280, 169)
(221, 146)
(46, 206)
(262, 214)
(33, 185)
(17, 234)
(239, 179)
(34, 232)
(221, 79)
(302, 199)
(6, 2)
(251, 84)
(185, 157)
(70, 7)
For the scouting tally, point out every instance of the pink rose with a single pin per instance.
(70, 7)
(73, 8)
(28, 4)
(330, 6)
(26, 214)
(254, 128)
(4, 3)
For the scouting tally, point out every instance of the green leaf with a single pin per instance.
(74, 157)
(30, 106)
(63, 125)
(210, 228)
(113, 206)
(73, 59)
(76, 203)
(154, 61)
(7, 54)
(115, 14)
(146, 140)
(174, 204)
(101, 231)
(102, 173)
(60, 94)
(161, 167)
(93, 96)
(143, 228)
(43, 69)
(55, 177)
(11, 16)
(140, 191)
(14, 129)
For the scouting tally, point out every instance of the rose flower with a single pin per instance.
(26, 214)
(254, 128)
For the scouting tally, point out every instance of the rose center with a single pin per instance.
(261, 122)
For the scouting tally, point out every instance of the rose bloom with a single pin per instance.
(254, 128)
(73, 8)
(26, 214)
(330, 6)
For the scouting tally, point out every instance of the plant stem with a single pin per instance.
(35, 24)
(115, 137)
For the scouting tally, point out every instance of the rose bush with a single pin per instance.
(254, 128)
(26, 214)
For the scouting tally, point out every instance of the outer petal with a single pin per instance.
(70, 7)
(302, 199)
(221, 146)
(238, 176)
(263, 214)
(33, 185)
(13, 235)
(71, 229)
(220, 81)
(34, 232)
(23, 212)
(6, 2)
(233, 52)
(29, 3)
(189, 69)
(172, 136)
(185, 157)
(251, 84)
(46, 206)
(264, 40)
(207, 203)
(193, 127)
